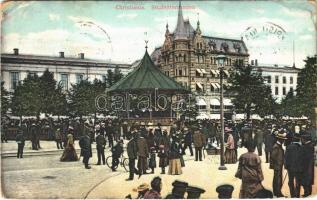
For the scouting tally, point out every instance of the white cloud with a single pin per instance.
(306, 37)
(127, 16)
(295, 13)
(53, 17)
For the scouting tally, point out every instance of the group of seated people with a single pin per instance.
(182, 190)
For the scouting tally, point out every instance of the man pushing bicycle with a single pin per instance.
(117, 151)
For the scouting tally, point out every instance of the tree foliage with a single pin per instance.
(307, 88)
(250, 91)
(5, 101)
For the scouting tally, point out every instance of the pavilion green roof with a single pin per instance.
(147, 77)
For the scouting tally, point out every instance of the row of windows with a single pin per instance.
(277, 80)
(276, 92)
(202, 59)
(15, 78)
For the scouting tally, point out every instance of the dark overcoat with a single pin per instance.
(85, 146)
(308, 164)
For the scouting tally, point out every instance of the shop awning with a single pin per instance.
(227, 102)
(214, 72)
(214, 102)
(203, 71)
(226, 72)
(214, 85)
(201, 102)
(199, 71)
(199, 85)
(214, 116)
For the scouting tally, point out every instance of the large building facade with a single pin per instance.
(190, 58)
(15, 68)
(281, 79)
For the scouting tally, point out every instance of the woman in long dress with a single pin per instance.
(69, 153)
(230, 154)
(175, 167)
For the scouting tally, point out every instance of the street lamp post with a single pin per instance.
(220, 63)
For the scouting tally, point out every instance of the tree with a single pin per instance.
(289, 106)
(48, 92)
(80, 101)
(26, 98)
(110, 78)
(4, 100)
(307, 88)
(60, 102)
(97, 88)
(113, 76)
(117, 75)
(251, 93)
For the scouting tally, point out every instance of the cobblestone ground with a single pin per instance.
(46, 177)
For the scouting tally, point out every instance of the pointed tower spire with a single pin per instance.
(167, 32)
(198, 31)
(180, 31)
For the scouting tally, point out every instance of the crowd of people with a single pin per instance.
(145, 143)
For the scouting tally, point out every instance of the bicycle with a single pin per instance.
(123, 162)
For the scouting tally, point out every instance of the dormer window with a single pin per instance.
(212, 45)
(237, 47)
(224, 47)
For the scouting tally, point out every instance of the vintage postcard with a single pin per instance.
(158, 99)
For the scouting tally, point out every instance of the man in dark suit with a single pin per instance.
(188, 140)
(132, 150)
(100, 144)
(269, 141)
(143, 154)
(293, 164)
(86, 152)
(199, 142)
(307, 164)
(20, 141)
(277, 162)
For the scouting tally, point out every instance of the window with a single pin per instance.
(184, 58)
(32, 74)
(276, 90)
(104, 78)
(291, 80)
(268, 79)
(284, 80)
(291, 89)
(284, 90)
(14, 80)
(180, 72)
(64, 81)
(276, 79)
(79, 78)
(211, 61)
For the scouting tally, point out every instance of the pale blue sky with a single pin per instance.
(118, 34)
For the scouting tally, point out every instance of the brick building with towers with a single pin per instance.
(189, 57)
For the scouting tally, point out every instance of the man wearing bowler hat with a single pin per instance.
(293, 165)
(178, 191)
(307, 164)
(277, 162)
(194, 192)
(225, 191)
(250, 172)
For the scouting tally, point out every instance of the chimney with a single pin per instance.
(61, 54)
(82, 56)
(16, 51)
(252, 62)
(256, 62)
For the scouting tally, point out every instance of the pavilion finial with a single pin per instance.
(146, 40)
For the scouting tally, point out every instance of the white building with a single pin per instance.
(282, 79)
(15, 67)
